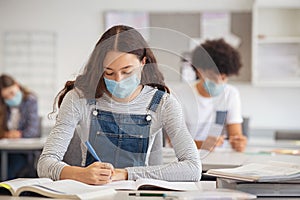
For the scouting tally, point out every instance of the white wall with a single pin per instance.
(78, 25)
(271, 107)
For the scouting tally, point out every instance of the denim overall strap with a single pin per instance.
(156, 100)
(120, 138)
(91, 101)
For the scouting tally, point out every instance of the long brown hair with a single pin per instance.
(118, 38)
(5, 82)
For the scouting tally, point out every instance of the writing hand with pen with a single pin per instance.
(97, 173)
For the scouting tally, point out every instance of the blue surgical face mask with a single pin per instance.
(124, 88)
(16, 100)
(212, 88)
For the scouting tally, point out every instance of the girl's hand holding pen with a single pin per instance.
(98, 173)
(108, 173)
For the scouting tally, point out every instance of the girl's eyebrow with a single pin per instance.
(125, 67)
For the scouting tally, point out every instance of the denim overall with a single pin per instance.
(121, 139)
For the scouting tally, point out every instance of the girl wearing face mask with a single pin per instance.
(120, 104)
(218, 103)
(18, 118)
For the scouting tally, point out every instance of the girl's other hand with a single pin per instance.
(120, 174)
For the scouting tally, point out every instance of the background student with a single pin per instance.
(120, 104)
(218, 107)
(18, 119)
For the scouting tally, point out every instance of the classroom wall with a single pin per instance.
(78, 25)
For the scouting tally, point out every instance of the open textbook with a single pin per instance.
(66, 189)
(152, 184)
(260, 172)
(71, 189)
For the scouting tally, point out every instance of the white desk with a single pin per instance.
(204, 186)
(263, 142)
(22, 145)
(225, 157)
(123, 195)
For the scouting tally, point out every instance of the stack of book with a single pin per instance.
(261, 179)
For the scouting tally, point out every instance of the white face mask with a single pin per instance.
(124, 88)
(213, 88)
(16, 100)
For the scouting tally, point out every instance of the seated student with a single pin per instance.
(18, 119)
(218, 103)
(120, 104)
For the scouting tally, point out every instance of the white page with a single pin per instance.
(180, 186)
(71, 187)
(122, 185)
(19, 182)
(270, 169)
(134, 185)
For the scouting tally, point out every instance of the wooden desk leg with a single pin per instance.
(4, 164)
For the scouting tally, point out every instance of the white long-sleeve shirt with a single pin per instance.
(75, 112)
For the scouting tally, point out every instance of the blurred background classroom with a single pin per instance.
(44, 43)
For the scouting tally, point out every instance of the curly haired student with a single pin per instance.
(218, 103)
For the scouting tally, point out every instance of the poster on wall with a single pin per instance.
(215, 25)
(138, 20)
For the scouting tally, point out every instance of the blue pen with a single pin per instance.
(92, 151)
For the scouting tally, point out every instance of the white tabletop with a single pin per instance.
(17, 146)
(22, 144)
(226, 157)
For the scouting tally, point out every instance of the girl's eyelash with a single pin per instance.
(109, 74)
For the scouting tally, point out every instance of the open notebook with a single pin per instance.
(152, 184)
(71, 189)
(62, 189)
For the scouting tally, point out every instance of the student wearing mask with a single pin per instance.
(120, 104)
(218, 108)
(18, 118)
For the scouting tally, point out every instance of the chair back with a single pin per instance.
(245, 126)
(287, 135)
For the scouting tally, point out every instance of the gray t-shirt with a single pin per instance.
(75, 113)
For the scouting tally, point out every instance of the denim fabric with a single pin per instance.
(221, 117)
(120, 138)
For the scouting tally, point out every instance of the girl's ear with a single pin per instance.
(224, 77)
(199, 73)
(143, 62)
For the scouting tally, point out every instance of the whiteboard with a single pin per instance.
(29, 57)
